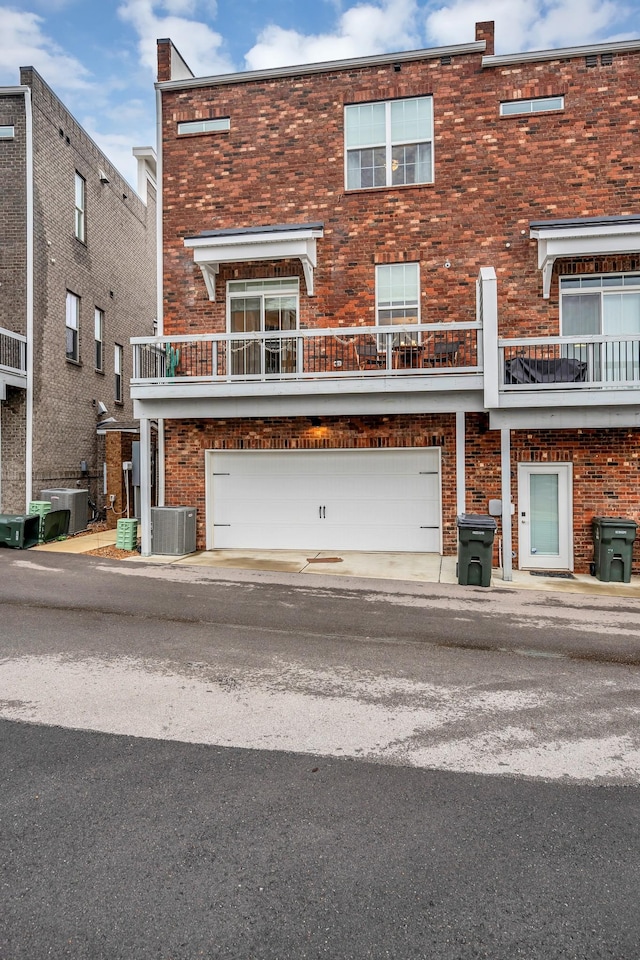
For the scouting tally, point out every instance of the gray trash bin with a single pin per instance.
(475, 549)
(613, 539)
(19, 531)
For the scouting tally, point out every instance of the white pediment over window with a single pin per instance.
(585, 237)
(290, 241)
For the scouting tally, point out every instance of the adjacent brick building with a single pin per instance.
(431, 257)
(77, 280)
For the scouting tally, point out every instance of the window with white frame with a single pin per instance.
(80, 213)
(73, 327)
(7, 132)
(117, 367)
(398, 293)
(389, 143)
(263, 307)
(510, 108)
(204, 126)
(98, 323)
(606, 306)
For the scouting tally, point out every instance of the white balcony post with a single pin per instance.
(507, 538)
(487, 314)
(145, 485)
(461, 481)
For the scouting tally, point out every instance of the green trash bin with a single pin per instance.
(475, 549)
(613, 539)
(127, 534)
(19, 531)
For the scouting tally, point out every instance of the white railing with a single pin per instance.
(573, 363)
(13, 352)
(311, 353)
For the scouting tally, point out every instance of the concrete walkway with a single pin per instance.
(409, 567)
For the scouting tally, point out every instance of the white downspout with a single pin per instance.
(507, 539)
(461, 474)
(28, 468)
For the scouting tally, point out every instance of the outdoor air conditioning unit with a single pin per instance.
(173, 530)
(71, 499)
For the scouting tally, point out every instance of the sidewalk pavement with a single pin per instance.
(410, 567)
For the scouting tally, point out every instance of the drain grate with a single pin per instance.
(552, 573)
(324, 560)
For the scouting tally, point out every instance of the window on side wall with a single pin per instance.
(99, 339)
(80, 200)
(398, 299)
(263, 307)
(389, 143)
(606, 307)
(73, 327)
(117, 367)
(512, 108)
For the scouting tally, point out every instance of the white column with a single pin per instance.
(487, 313)
(461, 479)
(145, 485)
(507, 542)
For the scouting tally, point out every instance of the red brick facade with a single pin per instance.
(283, 162)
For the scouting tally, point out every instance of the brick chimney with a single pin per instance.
(485, 31)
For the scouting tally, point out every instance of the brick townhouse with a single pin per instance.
(396, 288)
(77, 280)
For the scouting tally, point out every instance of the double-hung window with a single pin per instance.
(389, 143)
(99, 339)
(262, 307)
(398, 299)
(606, 307)
(80, 201)
(117, 368)
(72, 327)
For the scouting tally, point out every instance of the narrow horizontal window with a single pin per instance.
(7, 132)
(540, 105)
(204, 126)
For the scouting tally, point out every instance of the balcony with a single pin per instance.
(312, 362)
(13, 358)
(603, 370)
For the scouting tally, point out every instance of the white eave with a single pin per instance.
(561, 53)
(588, 237)
(284, 242)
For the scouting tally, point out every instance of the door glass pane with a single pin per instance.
(245, 354)
(621, 315)
(580, 314)
(545, 519)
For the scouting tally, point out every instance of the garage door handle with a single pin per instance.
(322, 513)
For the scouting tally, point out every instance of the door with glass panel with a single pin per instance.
(545, 514)
(607, 305)
(262, 307)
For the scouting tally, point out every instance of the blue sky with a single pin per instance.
(99, 55)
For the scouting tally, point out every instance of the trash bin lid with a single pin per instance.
(614, 522)
(477, 520)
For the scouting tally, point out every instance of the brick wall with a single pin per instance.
(115, 270)
(283, 161)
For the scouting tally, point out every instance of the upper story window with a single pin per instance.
(389, 144)
(204, 126)
(510, 108)
(263, 306)
(7, 132)
(117, 369)
(99, 339)
(72, 327)
(81, 194)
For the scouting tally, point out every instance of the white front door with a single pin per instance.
(378, 500)
(545, 514)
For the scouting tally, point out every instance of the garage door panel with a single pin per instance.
(385, 500)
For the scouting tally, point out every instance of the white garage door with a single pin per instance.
(385, 500)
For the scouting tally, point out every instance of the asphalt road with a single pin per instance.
(205, 764)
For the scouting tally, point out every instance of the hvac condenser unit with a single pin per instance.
(71, 499)
(173, 530)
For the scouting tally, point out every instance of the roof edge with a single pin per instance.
(561, 53)
(297, 70)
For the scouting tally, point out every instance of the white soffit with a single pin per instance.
(253, 245)
(586, 238)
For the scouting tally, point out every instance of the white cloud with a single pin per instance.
(526, 24)
(362, 30)
(197, 42)
(25, 45)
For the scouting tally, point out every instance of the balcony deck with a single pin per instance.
(311, 362)
(13, 358)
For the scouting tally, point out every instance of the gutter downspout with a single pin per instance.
(30, 297)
